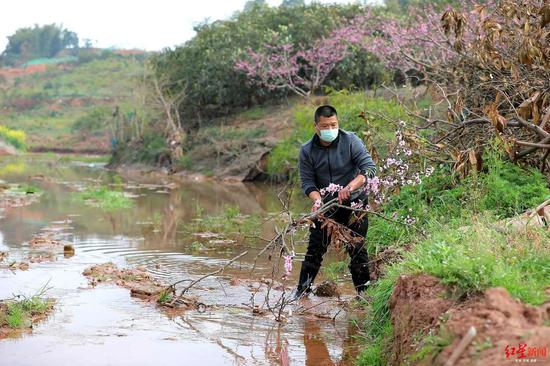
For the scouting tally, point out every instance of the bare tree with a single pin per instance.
(170, 103)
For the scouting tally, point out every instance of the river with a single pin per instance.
(103, 325)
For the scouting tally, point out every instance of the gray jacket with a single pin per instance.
(339, 163)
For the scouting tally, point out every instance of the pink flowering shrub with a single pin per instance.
(415, 41)
(286, 66)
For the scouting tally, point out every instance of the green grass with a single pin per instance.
(106, 199)
(432, 345)
(469, 256)
(164, 297)
(511, 189)
(503, 189)
(83, 158)
(24, 189)
(153, 145)
(57, 102)
(18, 313)
(374, 351)
(480, 255)
(185, 162)
(253, 113)
(230, 222)
(333, 271)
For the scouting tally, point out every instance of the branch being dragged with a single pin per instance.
(172, 287)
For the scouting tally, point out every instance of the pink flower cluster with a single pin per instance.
(288, 263)
(357, 205)
(397, 171)
(332, 189)
(317, 204)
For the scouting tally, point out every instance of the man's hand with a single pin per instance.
(316, 198)
(316, 205)
(344, 194)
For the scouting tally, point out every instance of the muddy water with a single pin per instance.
(104, 325)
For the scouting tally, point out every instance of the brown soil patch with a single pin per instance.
(41, 258)
(416, 303)
(73, 144)
(142, 285)
(11, 199)
(501, 322)
(419, 305)
(46, 241)
(137, 280)
(327, 289)
(14, 266)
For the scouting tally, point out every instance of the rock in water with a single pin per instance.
(68, 250)
(327, 289)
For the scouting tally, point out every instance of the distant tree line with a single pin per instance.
(36, 42)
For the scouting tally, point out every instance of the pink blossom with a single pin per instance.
(317, 204)
(332, 189)
(288, 264)
(373, 184)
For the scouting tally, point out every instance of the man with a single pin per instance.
(334, 156)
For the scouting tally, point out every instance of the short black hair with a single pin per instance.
(324, 111)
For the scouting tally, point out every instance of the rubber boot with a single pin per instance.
(308, 272)
(360, 276)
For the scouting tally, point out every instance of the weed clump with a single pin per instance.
(105, 198)
(21, 312)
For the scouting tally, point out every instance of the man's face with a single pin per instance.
(326, 123)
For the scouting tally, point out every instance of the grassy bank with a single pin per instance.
(466, 244)
(74, 103)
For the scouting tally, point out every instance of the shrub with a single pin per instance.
(94, 120)
(17, 138)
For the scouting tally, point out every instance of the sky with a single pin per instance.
(149, 25)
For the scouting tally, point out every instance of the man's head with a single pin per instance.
(326, 123)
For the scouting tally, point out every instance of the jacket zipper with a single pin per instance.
(329, 170)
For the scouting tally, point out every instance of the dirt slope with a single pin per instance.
(420, 304)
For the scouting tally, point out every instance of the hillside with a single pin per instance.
(68, 106)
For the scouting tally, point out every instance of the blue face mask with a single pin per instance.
(329, 135)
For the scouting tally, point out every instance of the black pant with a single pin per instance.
(319, 241)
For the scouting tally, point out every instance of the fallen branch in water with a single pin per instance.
(172, 287)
